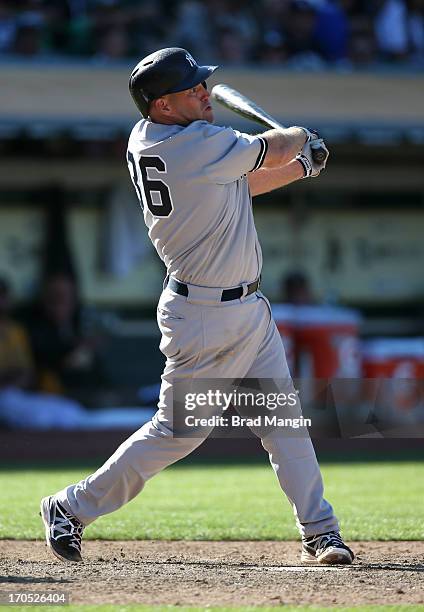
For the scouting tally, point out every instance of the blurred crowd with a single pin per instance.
(47, 346)
(50, 367)
(300, 34)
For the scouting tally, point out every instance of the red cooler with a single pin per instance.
(400, 361)
(393, 358)
(327, 342)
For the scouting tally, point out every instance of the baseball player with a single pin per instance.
(195, 182)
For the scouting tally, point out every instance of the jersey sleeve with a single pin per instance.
(226, 154)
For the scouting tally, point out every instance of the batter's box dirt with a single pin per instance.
(216, 573)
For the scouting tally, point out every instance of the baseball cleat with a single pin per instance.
(63, 531)
(327, 548)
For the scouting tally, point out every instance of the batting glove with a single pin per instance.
(310, 134)
(310, 167)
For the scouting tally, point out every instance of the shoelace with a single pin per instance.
(68, 526)
(327, 539)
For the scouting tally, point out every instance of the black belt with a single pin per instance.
(227, 294)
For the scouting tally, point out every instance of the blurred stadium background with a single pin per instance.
(343, 254)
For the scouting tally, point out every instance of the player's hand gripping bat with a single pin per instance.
(245, 107)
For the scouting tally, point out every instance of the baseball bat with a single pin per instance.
(242, 105)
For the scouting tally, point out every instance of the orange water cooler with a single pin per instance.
(328, 359)
(327, 342)
(324, 353)
(394, 369)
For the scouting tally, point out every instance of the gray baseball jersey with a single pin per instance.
(192, 185)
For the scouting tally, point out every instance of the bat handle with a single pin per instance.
(318, 154)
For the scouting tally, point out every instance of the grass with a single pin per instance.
(374, 501)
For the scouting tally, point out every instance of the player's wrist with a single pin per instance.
(305, 165)
(297, 169)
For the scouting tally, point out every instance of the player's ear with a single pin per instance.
(162, 105)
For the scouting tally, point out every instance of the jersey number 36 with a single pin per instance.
(152, 193)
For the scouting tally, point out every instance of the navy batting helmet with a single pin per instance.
(163, 72)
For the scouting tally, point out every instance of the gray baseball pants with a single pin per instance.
(203, 337)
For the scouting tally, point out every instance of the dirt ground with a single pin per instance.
(216, 573)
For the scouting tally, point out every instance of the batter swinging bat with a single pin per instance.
(245, 107)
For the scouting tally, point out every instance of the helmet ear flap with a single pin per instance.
(140, 99)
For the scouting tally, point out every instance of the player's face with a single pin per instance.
(191, 105)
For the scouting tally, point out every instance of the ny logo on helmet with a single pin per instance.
(191, 60)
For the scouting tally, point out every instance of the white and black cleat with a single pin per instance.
(63, 531)
(326, 548)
